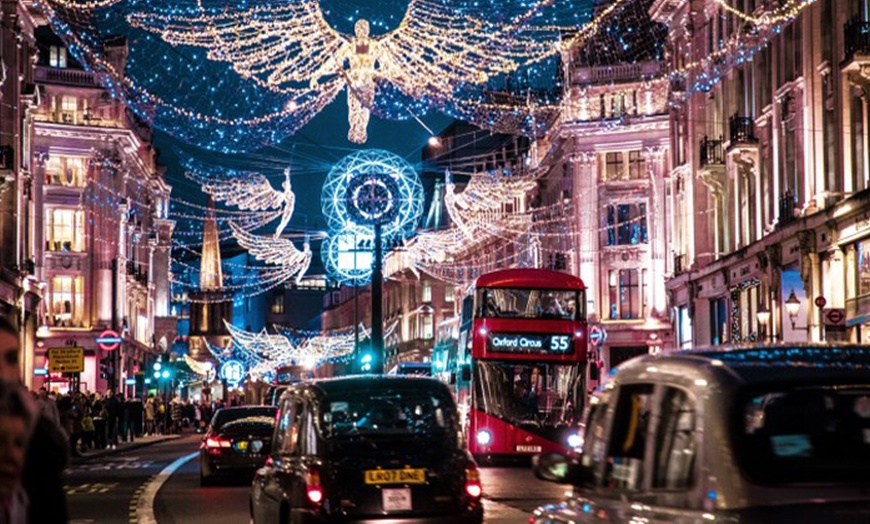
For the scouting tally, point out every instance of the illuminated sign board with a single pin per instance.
(530, 343)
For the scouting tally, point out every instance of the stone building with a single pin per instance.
(769, 177)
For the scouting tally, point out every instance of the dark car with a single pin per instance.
(237, 441)
(756, 435)
(273, 395)
(368, 449)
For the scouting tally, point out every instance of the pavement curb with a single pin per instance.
(108, 452)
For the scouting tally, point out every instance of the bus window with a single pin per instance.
(553, 304)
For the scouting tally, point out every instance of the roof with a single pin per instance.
(530, 278)
(358, 382)
(761, 364)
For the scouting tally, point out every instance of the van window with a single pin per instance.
(595, 432)
(808, 434)
(296, 431)
(282, 431)
(675, 442)
(627, 446)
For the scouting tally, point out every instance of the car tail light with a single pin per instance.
(472, 482)
(217, 442)
(312, 486)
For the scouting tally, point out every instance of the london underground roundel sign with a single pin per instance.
(109, 340)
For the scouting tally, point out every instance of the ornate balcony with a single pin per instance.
(66, 76)
(741, 130)
(712, 152)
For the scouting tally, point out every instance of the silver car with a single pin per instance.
(779, 435)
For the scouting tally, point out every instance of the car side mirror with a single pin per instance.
(561, 469)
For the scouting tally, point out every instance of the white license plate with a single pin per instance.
(397, 499)
(528, 449)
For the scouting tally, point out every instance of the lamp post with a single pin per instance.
(792, 307)
(763, 315)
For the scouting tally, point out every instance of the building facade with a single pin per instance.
(606, 159)
(86, 208)
(769, 180)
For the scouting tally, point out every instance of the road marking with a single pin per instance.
(145, 508)
(497, 512)
(90, 488)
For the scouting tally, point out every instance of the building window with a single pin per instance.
(57, 56)
(636, 165)
(613, 166)
(277, 307)
(684, 328)
(428, 328)
(626, 225)
(427, 292)
(624, 294)
(448, 293)
(65, 230)
(68, 171)
(66, 307)
(69, 109)
(718, 321)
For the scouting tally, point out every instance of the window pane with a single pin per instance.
(628, 439)
(675, 442)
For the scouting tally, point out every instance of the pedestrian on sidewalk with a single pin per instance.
(113, 410)
(88, 430)
(128, 421)
(149, 415)
(176, 415)
(46, 455)
(101, 416)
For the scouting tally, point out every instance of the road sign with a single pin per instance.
(835, 316)
(66, 360)
(821, 302)
(597, 335)
(109, 340)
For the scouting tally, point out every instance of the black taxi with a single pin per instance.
(367, 449)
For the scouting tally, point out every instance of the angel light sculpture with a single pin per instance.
(290, 48)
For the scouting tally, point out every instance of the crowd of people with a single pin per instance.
(97, 421)
(39, 431)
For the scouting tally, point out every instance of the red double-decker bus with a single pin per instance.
(519, 364)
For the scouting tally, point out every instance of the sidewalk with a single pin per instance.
(124, 446)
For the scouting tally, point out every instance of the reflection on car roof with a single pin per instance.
(767, 363)
(334, 385)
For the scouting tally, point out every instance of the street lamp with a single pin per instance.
(792, 307)
(763, 315)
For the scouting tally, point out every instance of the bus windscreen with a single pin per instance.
(543, 304)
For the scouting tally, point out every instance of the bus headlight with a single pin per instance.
(484, 437)
(575, 440)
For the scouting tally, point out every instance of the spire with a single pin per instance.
(210, 276)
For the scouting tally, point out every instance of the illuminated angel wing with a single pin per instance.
(279, 251)
(253, 193)
(463, 49)
(281, 47)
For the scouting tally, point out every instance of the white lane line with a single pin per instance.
(145, 509)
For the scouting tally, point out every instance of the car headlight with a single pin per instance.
(484, 437)
(575, 440)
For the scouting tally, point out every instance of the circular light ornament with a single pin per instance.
(233, 372)
(371, 187)
(347, 256)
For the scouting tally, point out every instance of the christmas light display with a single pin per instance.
(478, 60)
(278, 251)
(362, 189)
(251, 191)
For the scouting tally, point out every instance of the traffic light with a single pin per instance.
(366, 361)
(106, 369)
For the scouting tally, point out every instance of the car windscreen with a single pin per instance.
(390, 412)
(229, 419)
(805, 434)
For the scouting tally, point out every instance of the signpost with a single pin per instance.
(597, 336)
(109, 340)
(66, 360)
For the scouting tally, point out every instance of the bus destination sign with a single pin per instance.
(530, 343)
